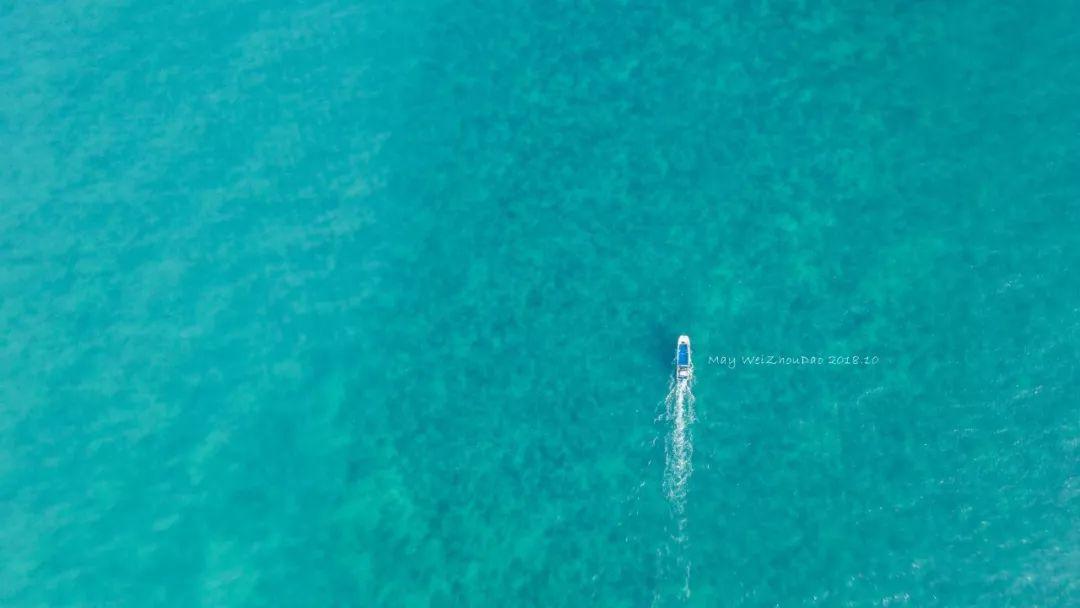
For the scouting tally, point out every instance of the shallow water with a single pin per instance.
(340, 304)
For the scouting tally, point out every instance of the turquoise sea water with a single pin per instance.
(374, 304)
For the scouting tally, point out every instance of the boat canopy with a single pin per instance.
(684, 355)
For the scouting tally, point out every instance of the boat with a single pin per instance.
(684, 366)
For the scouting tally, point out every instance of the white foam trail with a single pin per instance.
(678, 452)
(679, 448)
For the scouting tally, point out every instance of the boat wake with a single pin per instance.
(679, 447)
(678, 417)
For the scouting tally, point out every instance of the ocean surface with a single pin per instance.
(375, 304)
